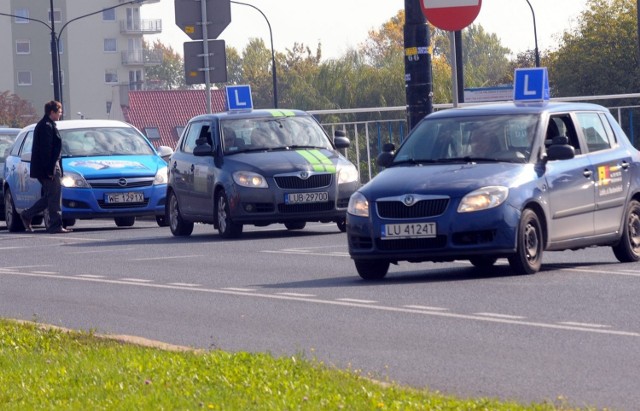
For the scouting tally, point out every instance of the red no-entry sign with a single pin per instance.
(451, 15)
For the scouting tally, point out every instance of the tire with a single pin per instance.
(162, 221)
(68, 222)
(530, 245)
(628, 249)
(178, 226)
(483, 261)
(37, 220)
(11, 216)
(226, 227)
(372, 269)
(295, 225)
(125, 221)
(342, 224)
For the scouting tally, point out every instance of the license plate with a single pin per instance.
(130, 197)
(303, 198)
(410, 230)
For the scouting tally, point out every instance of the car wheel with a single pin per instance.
(11, 216)
(342, 224)
(295, 225)
(528, 256)
(372, 269)
(226, 227)
(37, 220)
(483, 261)
(178, 226)
(162, 221)
(628, 249)
(125, 221)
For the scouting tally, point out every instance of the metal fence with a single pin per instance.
(370, 128)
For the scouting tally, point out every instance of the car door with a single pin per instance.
(181, 167)
(571, 188)
(611, 163)
(203, 174)
(25, 190)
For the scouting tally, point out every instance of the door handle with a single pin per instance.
(587, 173)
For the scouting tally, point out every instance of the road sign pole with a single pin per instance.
(205, 39)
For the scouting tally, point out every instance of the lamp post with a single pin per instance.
(535, 34)
(273, 57)
(55, 41)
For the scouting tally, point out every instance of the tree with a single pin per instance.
(600, 55)
(170, 74)
(16, 112)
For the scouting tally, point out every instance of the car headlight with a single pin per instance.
(249, 179)
(358, 205)
(162, 176)
(347, 174)
(483, 199)
(71, 179)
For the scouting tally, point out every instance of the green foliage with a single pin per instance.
(170, 74)
(50, 369)
(600, 55)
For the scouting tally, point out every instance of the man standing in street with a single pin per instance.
(46, 166)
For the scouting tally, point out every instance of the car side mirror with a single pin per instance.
(384, 159)
(202, 150)
(340, 139)
(388, 147)
(560, 152)
(165, 152)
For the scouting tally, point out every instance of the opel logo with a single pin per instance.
(122, 182)
(304, 175)
(409, 200)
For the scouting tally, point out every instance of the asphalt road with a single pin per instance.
(569, 334)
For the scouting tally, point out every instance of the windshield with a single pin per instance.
(103, 141)
(273, 133)
(479, 138)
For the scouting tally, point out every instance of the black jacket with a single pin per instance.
(46, 149)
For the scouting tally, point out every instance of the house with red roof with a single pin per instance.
(162, 114)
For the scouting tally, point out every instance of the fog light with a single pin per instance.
(249, 208)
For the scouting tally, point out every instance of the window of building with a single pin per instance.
(57, 16)
(111, 76)
(24, 13)
(110, 45)
(152, 133)
(61, 77)
(24, 78)
(109, 15)
(23, 46)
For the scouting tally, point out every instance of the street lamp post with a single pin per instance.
(55, 41)
(273, 57)
(535, 34)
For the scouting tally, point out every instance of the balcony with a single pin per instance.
(142, 58)
(140, 27)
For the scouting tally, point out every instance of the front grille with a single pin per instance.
(423, 208)
(412, 244)
(305, 208)
(296, 183)
(115, 182)
(111, 206)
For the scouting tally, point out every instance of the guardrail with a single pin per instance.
(370, 128)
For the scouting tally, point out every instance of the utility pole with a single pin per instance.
(54, 57)
(417, 63)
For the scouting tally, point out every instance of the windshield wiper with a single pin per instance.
(299, 146)
(414, 161)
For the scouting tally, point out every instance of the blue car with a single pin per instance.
(7, 138)
(110, 170)
(502, 180)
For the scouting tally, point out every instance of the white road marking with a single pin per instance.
(136, 280)
(166, 258)
(186, 284)
(90, 276)
(496, 315)
(585, 324)
(425, 307)
(297, 294)
(355, 300)
(344, 303)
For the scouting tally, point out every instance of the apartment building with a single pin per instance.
(100, 53)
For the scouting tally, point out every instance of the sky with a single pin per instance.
(340, 25)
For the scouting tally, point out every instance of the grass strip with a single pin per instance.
(45, 368)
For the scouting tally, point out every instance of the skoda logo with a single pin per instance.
(304, 175)
(409, 200)
(122, 182)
